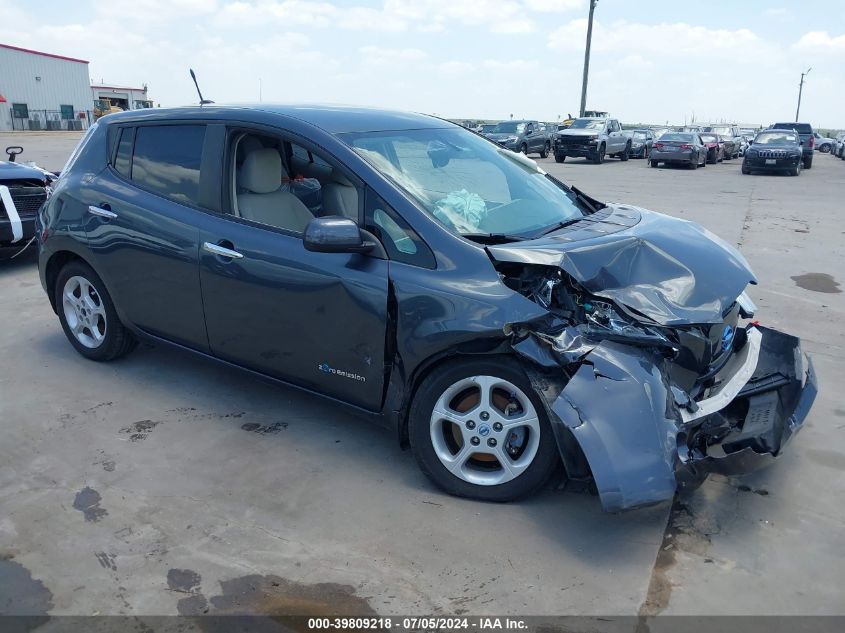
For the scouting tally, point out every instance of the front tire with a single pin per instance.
(824, 149)
(87, 314)
(524, 149)
(653, 163)
(626, 153)
(559, 158)
(545, 151)
(478, 429)
(598, 159)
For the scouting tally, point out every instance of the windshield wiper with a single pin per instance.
(493, 238)
(583, 199)
(557, 227)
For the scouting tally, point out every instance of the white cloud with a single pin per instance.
(671, 39)
(821, 42)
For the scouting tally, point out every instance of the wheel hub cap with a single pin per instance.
(84, 312)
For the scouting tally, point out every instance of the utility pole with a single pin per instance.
(800, 88)
(593, 4)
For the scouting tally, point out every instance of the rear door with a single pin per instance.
(317, 320)
(142, 228)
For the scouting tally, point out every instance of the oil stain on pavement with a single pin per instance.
(817, 282)
(267, 595)
(20, 593)
(87, 501)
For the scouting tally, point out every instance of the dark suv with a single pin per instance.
(808, 139)
(497, 320)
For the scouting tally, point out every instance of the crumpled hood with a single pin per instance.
(673, 271)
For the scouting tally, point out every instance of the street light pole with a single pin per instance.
(800, 88)
(593, 4)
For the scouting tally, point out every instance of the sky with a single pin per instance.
(653, 61)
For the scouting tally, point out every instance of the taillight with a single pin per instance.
(812, 142)
(685, 146)
(658, 146)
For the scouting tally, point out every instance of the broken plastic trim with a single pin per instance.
(12, 213)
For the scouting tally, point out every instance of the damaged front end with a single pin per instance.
(646, 389)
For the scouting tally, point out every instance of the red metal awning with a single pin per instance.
(2, 99)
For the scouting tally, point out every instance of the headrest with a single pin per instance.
(339, 178)
(262, 171)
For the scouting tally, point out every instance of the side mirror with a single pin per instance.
(12, 151)
(751, 142)
(334, 234)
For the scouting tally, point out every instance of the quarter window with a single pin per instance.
(123, 158)
(167, 160)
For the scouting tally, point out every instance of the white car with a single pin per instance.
(823, 143)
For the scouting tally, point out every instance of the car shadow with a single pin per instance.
(342, 436)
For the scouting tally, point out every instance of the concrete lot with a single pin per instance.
(162, 484)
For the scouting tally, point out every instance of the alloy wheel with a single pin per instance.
(84, 312)
(485, 430)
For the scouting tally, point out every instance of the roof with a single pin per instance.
(32, 52)
(99, 87)
(334, 119)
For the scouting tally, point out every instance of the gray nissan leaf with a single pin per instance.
(498, 321)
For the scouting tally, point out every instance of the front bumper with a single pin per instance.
(752, 430)
(576, 148)
(7, 233)
(759, 164)
(643, 438)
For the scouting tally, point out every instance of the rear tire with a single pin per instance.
(653, 163)
(87, 314)
(824, 149)
(808, 163)
(441, 444)
(626, 153)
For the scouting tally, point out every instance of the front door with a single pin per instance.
(317, 320)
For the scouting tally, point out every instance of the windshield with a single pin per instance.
(469, 184)
(773, 138)
(708, 138)
(639, 135)
(587, 124)
(509, 127)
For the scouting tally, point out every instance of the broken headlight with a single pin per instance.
(604, 321)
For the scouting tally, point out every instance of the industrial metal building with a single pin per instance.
(41, 91)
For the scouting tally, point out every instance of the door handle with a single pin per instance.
(103, 213)
(221, 251)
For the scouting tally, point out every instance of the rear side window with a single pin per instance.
(167, 160)
(123, 157)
